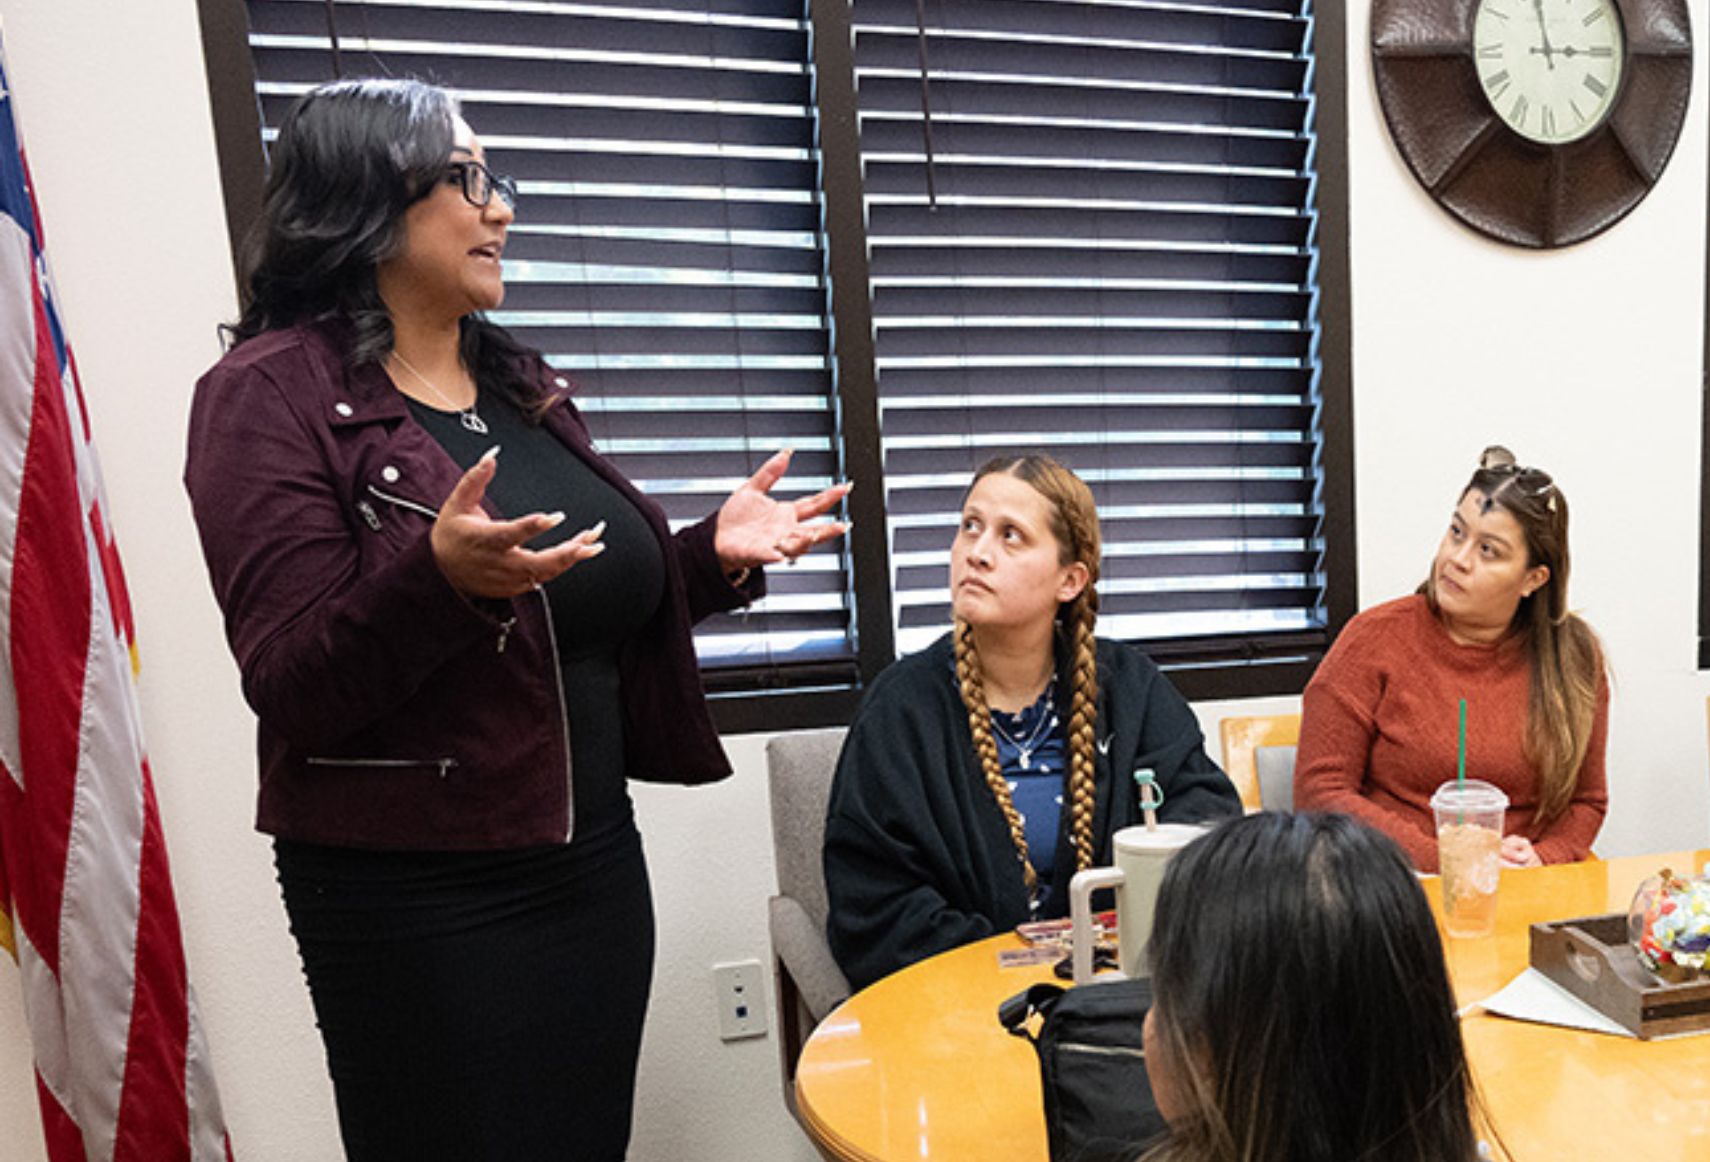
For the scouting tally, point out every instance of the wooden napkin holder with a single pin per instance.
(1591, 958)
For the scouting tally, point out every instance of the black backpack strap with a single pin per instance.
(1014, 1013)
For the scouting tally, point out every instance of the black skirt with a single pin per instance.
(477, 1005)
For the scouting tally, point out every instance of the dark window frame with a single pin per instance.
(1704, 497)
(1202, 669)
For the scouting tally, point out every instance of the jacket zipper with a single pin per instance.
(504, 636)
(444, 765)
(1101, 1050)
(373, 519)
(563, 717)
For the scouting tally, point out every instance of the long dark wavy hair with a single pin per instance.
(1567, 660)
(350, 159)
(1303, 999)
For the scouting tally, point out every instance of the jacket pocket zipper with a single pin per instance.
(443, 765)
(431, 514)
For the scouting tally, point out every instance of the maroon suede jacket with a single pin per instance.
(394, 712)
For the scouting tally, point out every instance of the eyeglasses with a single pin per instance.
(479, 183)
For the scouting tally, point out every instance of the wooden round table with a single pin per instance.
(916, 1067)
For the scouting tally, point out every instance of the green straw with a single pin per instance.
(1461, 760)
(1461, 768)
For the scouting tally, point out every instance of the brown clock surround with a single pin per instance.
(1493, 179)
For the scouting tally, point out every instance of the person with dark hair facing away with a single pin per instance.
(452, 687)
(1302, 1011)
(1380, 719)
(981, 773)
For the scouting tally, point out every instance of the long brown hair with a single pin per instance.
(1566, 658)
(1074, 525)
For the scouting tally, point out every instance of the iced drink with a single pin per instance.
(1469, 854)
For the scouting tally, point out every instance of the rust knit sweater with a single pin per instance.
(1380, 724)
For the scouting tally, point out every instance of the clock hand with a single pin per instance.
(1549, 53)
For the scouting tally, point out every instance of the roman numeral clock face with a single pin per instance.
(1536, 122)
(1549, 68)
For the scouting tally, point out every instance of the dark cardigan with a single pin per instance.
(918, 858)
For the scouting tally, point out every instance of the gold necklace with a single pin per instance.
(466, 416)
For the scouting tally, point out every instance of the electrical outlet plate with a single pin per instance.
(741, 1000)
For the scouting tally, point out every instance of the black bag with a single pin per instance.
(1098, 1099)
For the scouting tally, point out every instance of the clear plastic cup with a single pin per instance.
(1469, 854)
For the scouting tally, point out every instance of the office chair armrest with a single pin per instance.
(800, 945)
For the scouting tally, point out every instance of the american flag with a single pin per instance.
(86, 904)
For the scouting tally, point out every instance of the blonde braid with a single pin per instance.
(980, 726)
(1083, 717)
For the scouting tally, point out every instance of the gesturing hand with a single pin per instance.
(754, 529)
(483, 557)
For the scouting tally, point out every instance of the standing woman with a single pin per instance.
(980, 774)
(452, 690)
(1380, 727)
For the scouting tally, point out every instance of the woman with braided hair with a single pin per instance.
(984, 771)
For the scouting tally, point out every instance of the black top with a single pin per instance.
(595, 604)
(918, 857)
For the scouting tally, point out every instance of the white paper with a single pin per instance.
(1532, 996)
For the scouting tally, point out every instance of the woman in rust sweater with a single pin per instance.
(1491, 625)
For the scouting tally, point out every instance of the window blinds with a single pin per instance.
(1107, 256)
(666, 253)
(1089, 230)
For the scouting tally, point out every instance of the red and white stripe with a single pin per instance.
(121, 1065)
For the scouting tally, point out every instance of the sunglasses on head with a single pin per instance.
(1533, 482)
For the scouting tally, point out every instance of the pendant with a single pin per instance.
(473, 422)
(1026, 758)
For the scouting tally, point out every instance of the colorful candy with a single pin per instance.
(1669, 925)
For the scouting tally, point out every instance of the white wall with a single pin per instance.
(1587, 362)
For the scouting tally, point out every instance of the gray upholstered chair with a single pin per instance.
(807, 982)
(1275, 768)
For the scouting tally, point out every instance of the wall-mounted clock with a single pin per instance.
(1538, 122)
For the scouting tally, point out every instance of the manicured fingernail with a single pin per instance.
(489, 454)
(554, 519)
(596, 548)
(596, 532)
